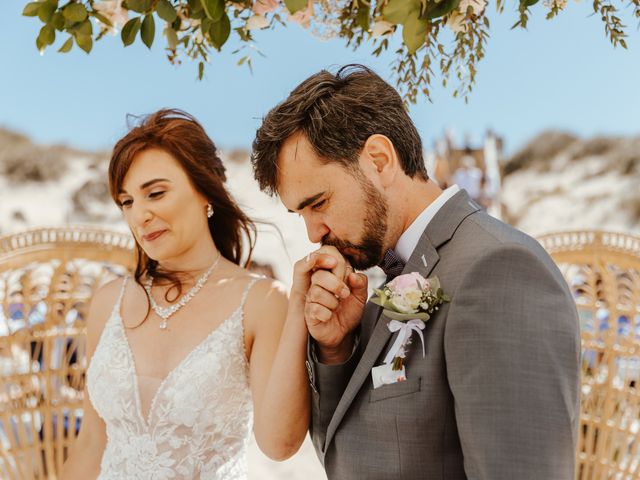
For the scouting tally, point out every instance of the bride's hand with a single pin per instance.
(332, 298)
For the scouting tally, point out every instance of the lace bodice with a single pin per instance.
(200, 418)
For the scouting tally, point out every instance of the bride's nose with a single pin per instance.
(141, 215)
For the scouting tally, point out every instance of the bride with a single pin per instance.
(193, 349)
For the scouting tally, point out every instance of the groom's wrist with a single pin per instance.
(334, 355)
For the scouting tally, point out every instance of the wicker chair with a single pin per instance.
(603, 271)
(47, 277)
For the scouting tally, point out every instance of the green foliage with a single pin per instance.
(148, 30)
(398, 11)
(214, 9)
(414, 32)
(139, 6)
(295, 5)
(192, 28)
(75, 12)
(166, 11)
(219, 31)
(130, 30)
(66, 46)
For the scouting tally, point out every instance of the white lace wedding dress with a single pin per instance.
(200, 418)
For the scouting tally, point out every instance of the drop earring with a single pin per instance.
(209, 210)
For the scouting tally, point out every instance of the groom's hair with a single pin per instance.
(337, 113)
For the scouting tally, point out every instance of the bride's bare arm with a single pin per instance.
(278, 376)
(84, 460)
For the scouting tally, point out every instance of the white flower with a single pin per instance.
(257, 22)
(401, 304)
(113, 11)
(457, 22)
(478, 6)
(561, 4)
(381, 28)
(413, 298)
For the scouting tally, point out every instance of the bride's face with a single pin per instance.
(164, 211)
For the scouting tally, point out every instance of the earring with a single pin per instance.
(209, 210)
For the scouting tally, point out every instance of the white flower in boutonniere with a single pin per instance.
(409, 300)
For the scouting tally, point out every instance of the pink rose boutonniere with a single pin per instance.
(409, 300)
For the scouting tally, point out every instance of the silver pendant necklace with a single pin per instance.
(166, 312)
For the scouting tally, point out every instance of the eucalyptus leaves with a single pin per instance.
(195, 27)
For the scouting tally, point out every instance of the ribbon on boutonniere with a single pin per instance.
(408, 300)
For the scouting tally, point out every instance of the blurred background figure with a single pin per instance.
(469, 177)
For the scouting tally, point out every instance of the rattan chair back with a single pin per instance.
(47, 278)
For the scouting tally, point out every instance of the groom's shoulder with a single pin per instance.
(482, 233)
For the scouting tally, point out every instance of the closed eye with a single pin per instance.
(129, 202)
(318, 205)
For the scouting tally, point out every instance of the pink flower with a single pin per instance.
(260, 7)
(408, 282)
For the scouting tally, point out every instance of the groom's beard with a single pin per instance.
(370, 250)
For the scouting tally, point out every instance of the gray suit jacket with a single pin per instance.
(497, 394)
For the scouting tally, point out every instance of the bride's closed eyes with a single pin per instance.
(154, 195)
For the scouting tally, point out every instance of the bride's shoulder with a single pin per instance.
(258, 287)
(259, 292)
(102, 302)
(107, 294)
(265, 297)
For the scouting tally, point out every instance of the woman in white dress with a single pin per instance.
(193, 350)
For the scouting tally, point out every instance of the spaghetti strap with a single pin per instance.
(245, 294)
(119, 301)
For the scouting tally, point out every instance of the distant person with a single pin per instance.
(469, 177)
(182, 354)
(496, 394)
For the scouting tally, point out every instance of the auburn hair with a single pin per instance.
(183, 137)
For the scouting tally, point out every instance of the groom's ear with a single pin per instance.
(381, 158)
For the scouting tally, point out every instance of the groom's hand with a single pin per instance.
(334, 303)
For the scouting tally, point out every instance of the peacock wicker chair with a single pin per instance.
(47, 277)
(603, 272)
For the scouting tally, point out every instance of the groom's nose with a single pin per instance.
(316, 229)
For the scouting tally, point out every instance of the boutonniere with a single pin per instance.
(409, 300)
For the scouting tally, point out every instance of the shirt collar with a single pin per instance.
(409, 239)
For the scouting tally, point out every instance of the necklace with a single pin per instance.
(166, 312)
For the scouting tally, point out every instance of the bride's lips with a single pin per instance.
(152, 236)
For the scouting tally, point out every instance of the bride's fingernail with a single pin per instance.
(344, 293)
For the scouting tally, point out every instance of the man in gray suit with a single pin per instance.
(496, 395)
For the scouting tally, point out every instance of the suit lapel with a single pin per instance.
(423, 260)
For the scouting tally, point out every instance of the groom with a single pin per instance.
(496, 394)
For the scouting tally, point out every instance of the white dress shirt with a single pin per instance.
(409, 239)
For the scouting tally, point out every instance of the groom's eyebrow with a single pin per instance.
(307, 201)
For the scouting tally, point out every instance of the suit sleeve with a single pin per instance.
(512, 348)
(328, 383)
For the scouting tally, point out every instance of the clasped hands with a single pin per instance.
(331, 297)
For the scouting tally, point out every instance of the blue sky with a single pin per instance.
(558, 74)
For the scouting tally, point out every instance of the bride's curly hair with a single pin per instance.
(181, 135)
